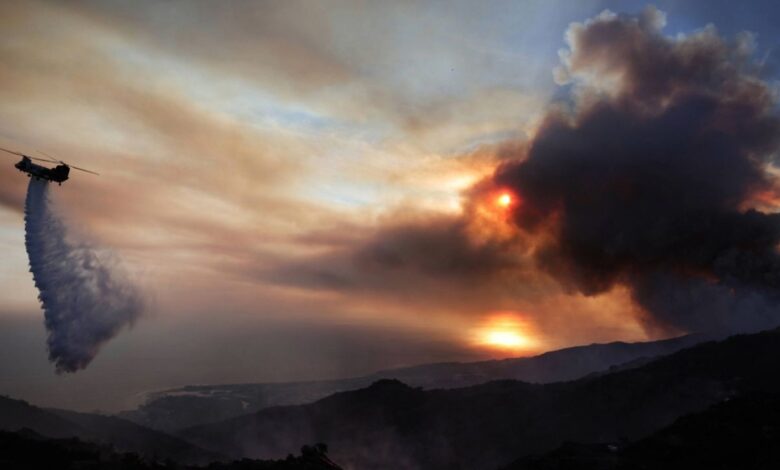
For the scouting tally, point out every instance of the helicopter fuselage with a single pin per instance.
(58, 174)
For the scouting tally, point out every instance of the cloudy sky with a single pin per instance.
(306, 189)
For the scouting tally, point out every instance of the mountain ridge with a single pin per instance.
(193, 405)
(736, 433)
(122, 434)
(488, 425)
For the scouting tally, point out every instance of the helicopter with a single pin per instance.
(58, 174)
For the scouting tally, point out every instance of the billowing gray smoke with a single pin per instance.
(658, 178)
(85, 300)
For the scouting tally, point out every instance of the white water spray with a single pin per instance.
(86, 298)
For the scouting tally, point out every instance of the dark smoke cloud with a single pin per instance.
(430, 258)
(438, 248)
(648, 183)
(86, 299)
(650, 180)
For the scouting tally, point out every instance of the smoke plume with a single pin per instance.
(86, 300)
(655, 179)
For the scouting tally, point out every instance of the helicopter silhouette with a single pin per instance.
(58, 174)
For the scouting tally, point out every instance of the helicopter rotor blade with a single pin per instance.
(54, 160)
(39, 159)
(27, 156)
(13, 152)
(82, 169)
(51, 159)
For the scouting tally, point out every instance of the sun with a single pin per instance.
(504, 200)
(505, 339)
(505, 331)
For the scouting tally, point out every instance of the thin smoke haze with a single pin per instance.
(86, 298)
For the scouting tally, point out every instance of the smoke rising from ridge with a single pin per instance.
(652, 181)
(86, 299)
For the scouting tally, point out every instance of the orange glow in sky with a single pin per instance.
(505, 339)
(506, 331)
(504, 200)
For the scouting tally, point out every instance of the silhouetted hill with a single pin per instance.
(127, 436)
(18, 414)
(742, 433)
(554, 366)
(29, 450)
(123, 435)
(391, 425)
(193, 405)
